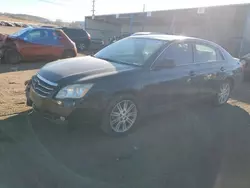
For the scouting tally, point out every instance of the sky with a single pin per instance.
(76, 10)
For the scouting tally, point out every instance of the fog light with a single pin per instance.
(62, 118)
(59, 102)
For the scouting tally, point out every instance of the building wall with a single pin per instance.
(125, 28)
(101, 30)
(228, 26)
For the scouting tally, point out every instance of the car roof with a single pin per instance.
(163, 37)
(147, 33)
(172, 38)
(39, 28)
(71, 28)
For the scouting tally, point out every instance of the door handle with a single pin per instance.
(222, 69)
(192, 73)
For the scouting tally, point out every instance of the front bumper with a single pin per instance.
(49, 107)
(65, 110)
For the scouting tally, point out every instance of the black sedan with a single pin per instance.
(133, 77)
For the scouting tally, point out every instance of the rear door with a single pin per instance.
(211, 68)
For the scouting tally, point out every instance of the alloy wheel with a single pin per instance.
(81, 46)
(123, 116)
(224, 93)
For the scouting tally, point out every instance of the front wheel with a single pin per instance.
(11, 56)
(224, 92)
(120, 116)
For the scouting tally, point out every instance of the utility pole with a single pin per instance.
(144, 19)
(93, 9)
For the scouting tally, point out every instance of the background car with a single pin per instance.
(81, 37)
(137, 76)
(245, 61)
(37, 44)
(96, 44)
(10, 24)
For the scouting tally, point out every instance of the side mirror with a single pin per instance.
(165, 64)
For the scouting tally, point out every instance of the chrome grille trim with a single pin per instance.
(37, 88)
(42, 86)
(46, 81)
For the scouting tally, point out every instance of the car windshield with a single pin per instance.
(20, 32)
(132, 50)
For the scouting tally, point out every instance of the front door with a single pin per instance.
(173, 85)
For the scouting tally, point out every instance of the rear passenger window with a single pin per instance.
(204, 53)
(219, 56)
(181, 53)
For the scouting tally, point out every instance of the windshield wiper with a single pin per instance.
(116, 61)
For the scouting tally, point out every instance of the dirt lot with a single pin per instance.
(8, 30)
(12, 78)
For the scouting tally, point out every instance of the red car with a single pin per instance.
(36, 44)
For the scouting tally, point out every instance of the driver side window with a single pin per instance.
(180, 53)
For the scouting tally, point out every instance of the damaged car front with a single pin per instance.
(8, 49)
(2, 42)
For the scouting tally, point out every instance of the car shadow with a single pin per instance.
(26, 163)
(196, 146)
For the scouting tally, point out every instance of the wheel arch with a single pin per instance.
(231, 80)
(130, 93)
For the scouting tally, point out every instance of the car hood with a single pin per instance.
(80, 68)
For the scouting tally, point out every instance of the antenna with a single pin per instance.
(93, 9)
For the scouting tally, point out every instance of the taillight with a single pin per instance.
(243, 64)
(89, 36)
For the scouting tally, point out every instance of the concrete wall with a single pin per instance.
(101, 30)
(150, 28)
(225, 25)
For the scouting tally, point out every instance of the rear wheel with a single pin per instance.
(81, 46)
(11, 56)
(68, 54)
(224, 92)
(120, 117)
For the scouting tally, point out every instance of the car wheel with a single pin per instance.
(68, 54)
(224, 92)
(121, 116)
(29, 102)
(11, 56)
(81, 46)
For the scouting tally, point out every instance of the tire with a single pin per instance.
(224, 92)
(119, 126)
(68, 54)
(11, 56)
(29, 102)
(81, 46)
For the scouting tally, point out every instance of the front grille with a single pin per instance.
(42, 86)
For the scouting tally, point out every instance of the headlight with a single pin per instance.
(75, 91)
